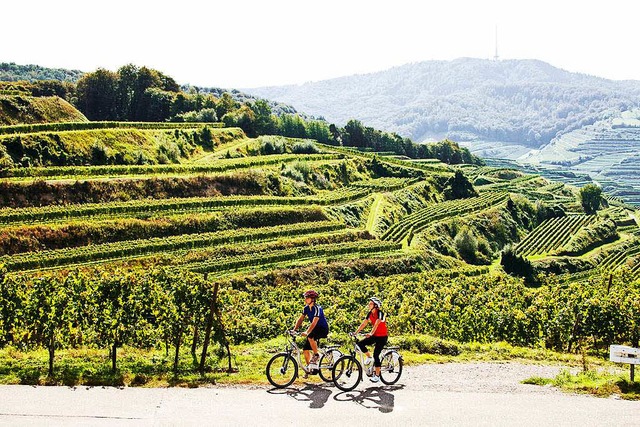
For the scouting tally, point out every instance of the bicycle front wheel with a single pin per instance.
(391, 368)
(282, 370)
(346, 373)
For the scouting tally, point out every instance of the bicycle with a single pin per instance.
(347, 371)
(282, 369)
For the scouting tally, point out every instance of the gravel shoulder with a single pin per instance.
(484, 377)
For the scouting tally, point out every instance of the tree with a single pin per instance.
(243, 118)
(121, 311)
(11, 307)
(226, 104)
(319, 131)
(517, 265)
(156, 105)
(590, 197)
(467, 245)
(459, 187)
(127, 77)
(48, 311)
(97, 95)
(264, 121)
(292, 125)
(146, 78)
(355, 132)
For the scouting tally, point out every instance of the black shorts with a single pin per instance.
(316, 334)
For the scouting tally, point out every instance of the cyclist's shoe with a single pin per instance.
(313, 363)
(368, 361)
(374, 378)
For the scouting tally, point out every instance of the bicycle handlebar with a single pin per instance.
(355, 336)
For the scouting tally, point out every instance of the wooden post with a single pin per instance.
(632, 372)
(609, 286)
(225, 342)
(207, 332)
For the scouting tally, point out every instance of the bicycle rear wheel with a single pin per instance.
(346, 373)
(326, 364)
(391, 368)
(282, 370)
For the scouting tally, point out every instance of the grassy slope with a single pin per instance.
(18, 109)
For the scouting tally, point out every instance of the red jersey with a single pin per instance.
(373, 316)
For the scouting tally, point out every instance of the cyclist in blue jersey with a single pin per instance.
(319, 328)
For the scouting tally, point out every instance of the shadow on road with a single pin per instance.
(380, 398)
(316, 394)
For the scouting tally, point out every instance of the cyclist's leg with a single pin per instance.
(380, 343)
(362, 344)
(306, 350)
(314, 339)
(314, 344)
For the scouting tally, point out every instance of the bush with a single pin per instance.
(29, 376)
(139, 380)
(102, 377)
(467, 245)
(425, 344)
(516, 265)
(306, 147)
(272, 145)
(71, 376)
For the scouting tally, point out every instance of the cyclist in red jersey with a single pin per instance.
(378, 335)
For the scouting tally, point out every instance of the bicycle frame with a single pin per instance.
(347, 371)
(292, 354)
(293, 350)
(359, 354)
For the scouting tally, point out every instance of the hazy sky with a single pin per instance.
(249, 43)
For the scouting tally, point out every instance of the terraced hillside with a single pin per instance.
(606, 151)
(193, 177)
(157, 234)
(552, 235)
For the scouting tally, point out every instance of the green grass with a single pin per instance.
(153, 367)
(601, 383)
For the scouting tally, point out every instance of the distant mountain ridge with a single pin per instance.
(527, 102)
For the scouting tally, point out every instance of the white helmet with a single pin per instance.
(376, 301)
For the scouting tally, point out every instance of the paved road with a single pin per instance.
(477, 394)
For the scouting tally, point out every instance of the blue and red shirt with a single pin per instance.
(316, 311)
(381, 330)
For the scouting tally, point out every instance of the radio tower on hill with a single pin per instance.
(495, 57)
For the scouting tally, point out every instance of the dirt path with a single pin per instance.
(470, 394)
(373, 212)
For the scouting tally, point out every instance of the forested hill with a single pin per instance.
(522, 101)
(11, 72)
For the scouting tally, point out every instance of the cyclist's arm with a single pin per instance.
(312, 325)
(362, 325)
(375, 326)
(299, 322)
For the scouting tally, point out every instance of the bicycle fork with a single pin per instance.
(285, 362)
